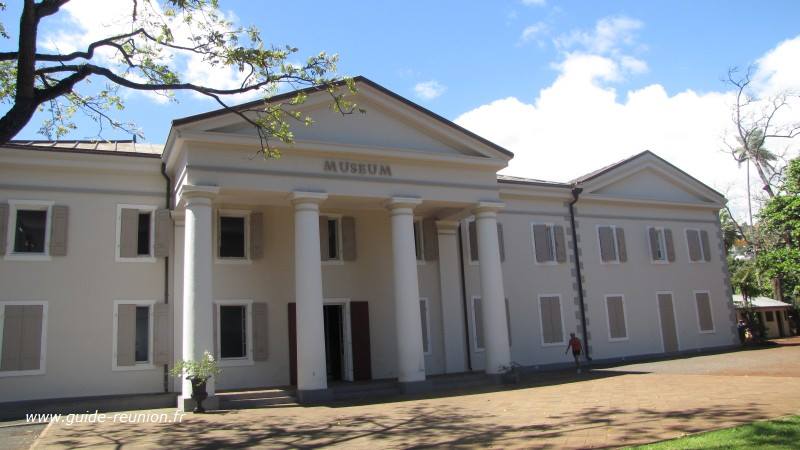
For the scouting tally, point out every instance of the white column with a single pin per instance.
(450, 286)
(197, 276)
(495, 327)
(410, 356)
(311, 370)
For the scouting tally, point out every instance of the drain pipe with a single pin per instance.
(166, 262)
(576, 191)
(464, 295)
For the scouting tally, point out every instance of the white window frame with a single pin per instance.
(28, 205)
(427, 329)
(141, 208)
(661, 239)
(218, 236)
(699, 244)
(552, 235)
(624, 318)
(247, 360)
(713, 329)
(541, 322)
(474, 331)
(600, 244)
(150, 344)
(674, 317)
(339, 257)
(42, 346)
(467, 245)
(419, 230)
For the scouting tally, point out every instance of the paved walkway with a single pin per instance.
(611, 407)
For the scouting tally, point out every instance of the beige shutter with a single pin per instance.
(12, 337)
(348, 238)
(653, 234)
(128, 233)
(607, 252)
(704, 311)
(256, 235)
(540, 245)
(473, 241)
(550, 310)
(215, 330)
(501, 242)
(3, 227)
(477, 310)
(430, 240)
(163, 233)
(126, 335)
(706, 246)
(162, 334)
(561, 250)
(547, 325)
(621, 247)
(32, 323)
(260, 331)
(323, 238)
(693, 238)
(670, 244)
(508, 321)
(616, 317)
(58, 230)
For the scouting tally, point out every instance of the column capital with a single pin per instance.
(447, 226)
(402, 202)
(487, 208)
(299, 197)
(197, 193)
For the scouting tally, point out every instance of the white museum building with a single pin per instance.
(379, 246)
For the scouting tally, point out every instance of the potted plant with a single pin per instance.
(198, 373)
(510, 373)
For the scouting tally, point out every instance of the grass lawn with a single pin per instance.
(771, 434)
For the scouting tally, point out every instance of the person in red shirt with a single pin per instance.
(575, 344)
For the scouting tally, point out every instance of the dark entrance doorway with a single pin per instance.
(779, 318)
(334, 341)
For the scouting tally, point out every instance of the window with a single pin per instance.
(426, 328)
(697, 242)
(29, 229)
(232, 331)
(233, 235)
(330, 238)
(658, 245)
(472, 242)
(544, 243)
(477, 323)
(23, 332)
(612, 244)
(615, 309)
(418, 245)
(133, 335)
(550, 319)
(705, 318)
(770, 316)
(508, 322)
(135, 232)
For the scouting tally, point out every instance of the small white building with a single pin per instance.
(774, 314)
(381, 245)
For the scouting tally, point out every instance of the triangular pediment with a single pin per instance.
(648, 184)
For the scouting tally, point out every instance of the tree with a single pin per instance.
(140, 59)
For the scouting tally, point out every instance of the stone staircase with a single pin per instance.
(257, 398)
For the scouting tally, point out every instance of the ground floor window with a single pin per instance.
(425, 319)
(133, 343)
(22, 341)
(615, 309)
(705, 318)
(233, 331)
(477, 323)
(550, 315)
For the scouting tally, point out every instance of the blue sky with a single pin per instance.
(477, 60)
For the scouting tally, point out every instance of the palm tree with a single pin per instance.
(751, 149)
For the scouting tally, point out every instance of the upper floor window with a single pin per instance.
(135, 232)
(548, 243)
(612, 244)
(699, 247)
(337, 238)
(233, 235)
(29, 230)
(418, 240)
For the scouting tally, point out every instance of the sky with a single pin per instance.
(568, 86)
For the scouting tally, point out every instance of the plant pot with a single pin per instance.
(199, 394)
(510, 377)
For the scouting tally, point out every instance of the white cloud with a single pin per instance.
(534, 31)
(581, 123)
(609, 36)
(534, 2)
(429, 90)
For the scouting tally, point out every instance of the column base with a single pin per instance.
(311, 396)
(416, 387)
(186, 404)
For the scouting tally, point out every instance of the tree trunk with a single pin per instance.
(25, 101)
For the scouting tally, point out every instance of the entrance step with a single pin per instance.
(257, 398)
(365, 390)
(460, 381)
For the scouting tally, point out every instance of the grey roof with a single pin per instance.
(520, 180)
(760, 302)
(121, 147)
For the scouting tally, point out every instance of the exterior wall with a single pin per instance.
(772, 327)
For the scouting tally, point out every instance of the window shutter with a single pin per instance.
(555, 320)
(693, 238)
(508, 322)
(704, 311)
(3, 227)
(214, 331)
(623, 251)
(163, 233)
(501, 242)
(126, 335)
(705, 244)
(547, 325)
(31, 351)
(668, 242)
(260, 331)
(473, 241)
(256, 235)
(607, 252)
(561, 250)
(58, 230)
(477, 310)
(162, 334)
(12, 337)
(423, 314)
(323, 238)
(616, 317)
(348, 238)
(128, 233)
(653, 234)
(540, 243)
(430, 240)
